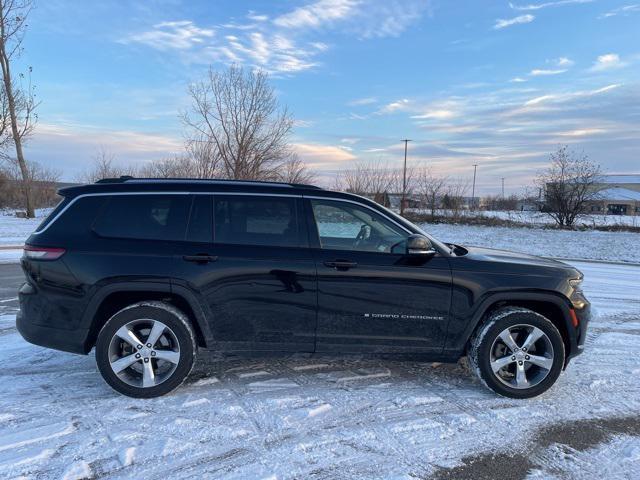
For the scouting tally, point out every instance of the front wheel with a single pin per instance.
(146, 349)
(517, 353)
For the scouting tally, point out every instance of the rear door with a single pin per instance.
(256, 275)
(371, 296)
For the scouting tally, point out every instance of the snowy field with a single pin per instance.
(14, 230)
(542, 219)
(327, 417)
(588, 245)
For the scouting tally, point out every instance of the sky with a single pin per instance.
(495, 83)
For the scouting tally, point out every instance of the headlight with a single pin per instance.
(577, 297)
(576, 283)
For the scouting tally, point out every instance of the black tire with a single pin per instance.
(178, 336)
(485, 342)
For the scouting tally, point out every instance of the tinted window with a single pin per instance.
(201, 219)
(347, 226)
(54, 213)
(149, 217)
(256, 221)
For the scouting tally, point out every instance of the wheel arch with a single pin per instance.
(114, 297)
(548, 304)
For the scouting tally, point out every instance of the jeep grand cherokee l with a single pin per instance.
(147, 271)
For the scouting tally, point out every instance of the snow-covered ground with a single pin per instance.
(14, 230)
(325, 417)
(588, 245)
(543, 219)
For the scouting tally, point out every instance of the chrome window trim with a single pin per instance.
(314, 197)
(101, 194)
(111, 194)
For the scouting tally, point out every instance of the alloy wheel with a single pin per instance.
(521, 356)
(144, 353)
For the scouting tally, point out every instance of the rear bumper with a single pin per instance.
(73, 341)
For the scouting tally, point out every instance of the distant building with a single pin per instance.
(617, 195)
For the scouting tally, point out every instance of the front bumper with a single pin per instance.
(584, 317)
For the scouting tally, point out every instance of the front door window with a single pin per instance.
(347, 226)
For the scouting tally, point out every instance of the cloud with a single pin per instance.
(569, 95)
(398, 105)
(181, 35)
(366, 19)
(256, 17)
(362, 101)
(322, 156)
(607, 62)
(541, 72)
(518, 80)
(622, 11)
(582, 132)
(538, 6)
(285, 44)
(564, 62)
(440, 114)
(503, 23)
(317, 14)
(70, 147)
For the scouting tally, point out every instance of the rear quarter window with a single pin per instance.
(144, 217)
(54, 213)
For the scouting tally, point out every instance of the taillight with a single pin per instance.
(43, 253)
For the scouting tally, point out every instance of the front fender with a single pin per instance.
(462, 326)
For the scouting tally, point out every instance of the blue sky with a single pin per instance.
(495, 83)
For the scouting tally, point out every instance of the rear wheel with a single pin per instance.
(146, 350)
(517, 353)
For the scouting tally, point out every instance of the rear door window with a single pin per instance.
(259, 220)
(146, 217)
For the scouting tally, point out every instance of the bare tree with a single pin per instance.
(42, 181)
(177, 166)
(431, 188)
(104, 166)
(568, 185)
(20, 101)
(204, 159)
(454, 196)
(372, 179)
(295, 171)
(237, 112)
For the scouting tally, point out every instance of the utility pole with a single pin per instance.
(502, 187)
(473, 190)
(404, 177)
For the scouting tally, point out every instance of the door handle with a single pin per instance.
(200, 258)
(341, 264)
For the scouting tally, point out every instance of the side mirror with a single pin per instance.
(419, 245)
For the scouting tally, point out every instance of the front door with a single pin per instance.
(257, 277)
(371, 296)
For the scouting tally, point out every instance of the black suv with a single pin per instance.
(149, 270)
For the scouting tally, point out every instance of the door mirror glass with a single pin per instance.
(419, 245)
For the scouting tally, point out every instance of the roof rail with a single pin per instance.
(130, 179)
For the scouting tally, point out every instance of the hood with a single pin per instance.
(514, 259)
